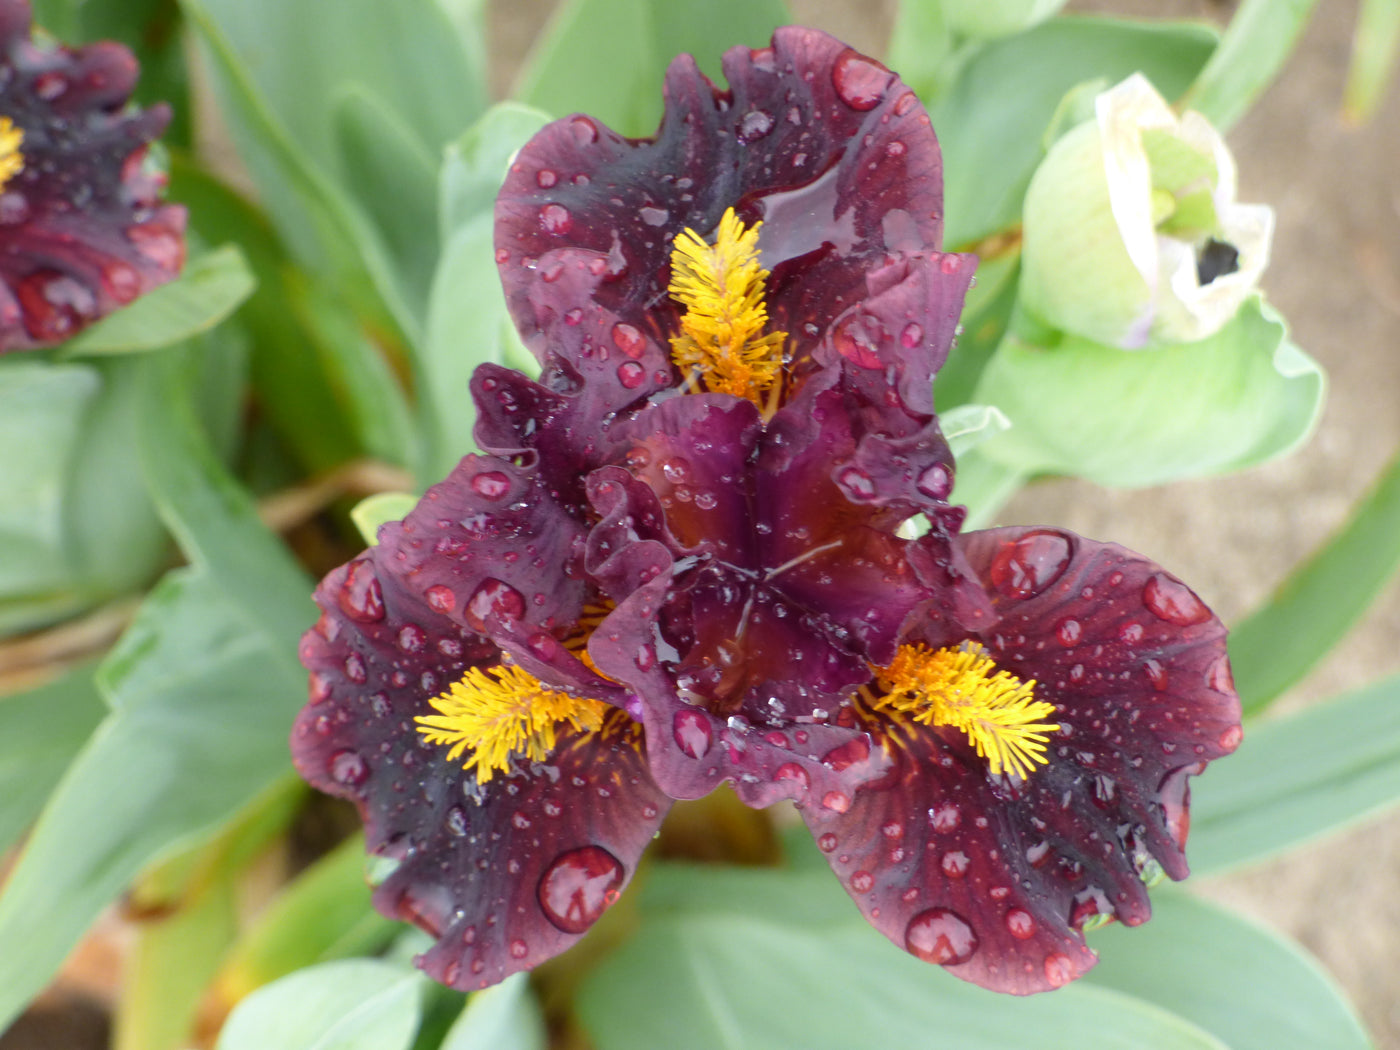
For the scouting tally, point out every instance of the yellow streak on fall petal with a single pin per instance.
(721, 286)
(961, 687)
(11, 159)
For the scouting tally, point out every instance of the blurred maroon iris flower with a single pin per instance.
(82, 229)
(687, 557)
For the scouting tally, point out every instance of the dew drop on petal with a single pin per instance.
(628, 339)
(440, 598)
(1059, 971)
(578, 886)
(794, 772)
(945, 818)
(555, 219)
(360, 595)
(940, 936)
(518, 949)
(544, 178)
(1020, 923)
(754, 125)
(826, 843)
(954, 864)
(1068, 632)
(493, 597)
(631, 375)
(857, 483)
(1231, 737)
(491, 484)
(585, 131)
(935, 482)
(693, 733)
(862, 881)
(348, 768)
(836, 801)
(1173, 601)
(412, 638)
(1220, 678)
(860, 82)
(1025, 566)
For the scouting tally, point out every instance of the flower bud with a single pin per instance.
(1132, 235)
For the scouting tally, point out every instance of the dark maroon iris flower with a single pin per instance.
(685, 560)
(82, 230)
(482, 576)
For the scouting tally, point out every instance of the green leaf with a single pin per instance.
(203, 688)
(41, 730)
(1373, 54)
(1131, 418)
(968, 425)
(353, 1004)
(1256, 45)
(1190, 959)
(921, 47)
(991, 121)
(1297, 777)
(779, 959)
(634, 41)
(505, 1017)
(1278, 643)
(467, 318)
(983, 485)
(985, 317)
(324, 914)
(380, 509)
(210, 289)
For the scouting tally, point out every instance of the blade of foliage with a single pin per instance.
(41, 412)
(1133, 419)
(505, 1017)
(1257, 44)
(990, 122)
(395, 185)
(1278, 643)
(1373, 54)
(1190, 958)
(380, 509)
(323, 914)
(1298, 777)
(353, 1004)
(173, 959)
(202, 690)
(297, 383)
(764, 959)
(467, 319)
(211, 287)
(984, 321)
(41, 730)
(921, 47)
(983, 485)
(634, 40)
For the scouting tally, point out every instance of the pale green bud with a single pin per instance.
(1132, 235)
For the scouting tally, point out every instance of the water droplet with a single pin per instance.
(836, 801)
(628, 339)
(676, 469)
(493, 596)
(706, 500)
(950, 264)
(491, 484)
(355, 668)
(1026, 566)
(518, 949)
(412, 638)
(794, 772)
(573, 316)
(585, 131)
(579, 886)
(457, 821)
(158, 243)
(555, 219)
(935, 482)
(1068, 632)
(945, 818)
(912, 335)
(348, 768)
(440, 598)
(851, 753)
(653, 216)
(1059, 971)
(862, 882)
(1130, 633)
(1219, 676)
(544, 178)
(631, 375)
(857, 483)
(955, 864)
(520, 821)
(905, 103)
(1173, 601)
(318, 687)
(755, 125)
(940, 936)
(360, 596)
(860, 82)
(122, 282)
(826, 843)
(1156, 674)
(693, 733)
(1020, 923)
(857, 339)
(1231, 737)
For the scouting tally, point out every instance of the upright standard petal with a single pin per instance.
(450, 704)
(1060, 786)
(82, 229)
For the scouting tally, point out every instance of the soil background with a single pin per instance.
(1335, 276)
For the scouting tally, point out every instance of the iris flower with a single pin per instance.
(698, 523)
(82, 229)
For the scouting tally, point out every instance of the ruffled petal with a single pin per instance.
(82, 230)
(824, 145)
(993, 876)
